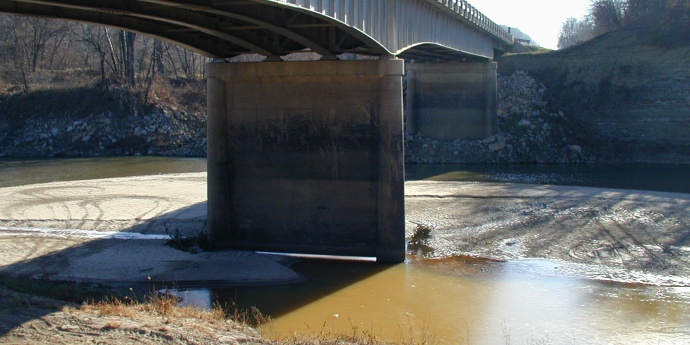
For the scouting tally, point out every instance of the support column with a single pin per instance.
(448, 101)
(307, 157)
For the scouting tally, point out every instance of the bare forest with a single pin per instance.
(39, 53)
(667, 21)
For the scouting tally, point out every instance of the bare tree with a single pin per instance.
(26, 40)
(607, 15)
(574, 32)
(127, 40)
(182, 64)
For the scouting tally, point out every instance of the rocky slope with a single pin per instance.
(163, 129)
(617, 98)
(628, 94)
(527, 132)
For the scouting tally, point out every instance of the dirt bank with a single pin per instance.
(27, 319)
(628, 95)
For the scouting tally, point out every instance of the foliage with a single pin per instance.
(575, 32)
(607, 15)
(667, 20)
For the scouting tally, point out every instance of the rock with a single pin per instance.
(489, 140)
(575, 148)
(54, 131)
(538, 136)
(86, 138)
(524, 123)
(498, 146)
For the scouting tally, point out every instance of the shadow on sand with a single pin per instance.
(141, 258)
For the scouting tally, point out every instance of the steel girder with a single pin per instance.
(273, 28)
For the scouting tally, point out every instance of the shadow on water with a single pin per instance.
(85, 259)
(16, 172)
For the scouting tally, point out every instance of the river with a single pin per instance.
(455, 300)
(667, 178)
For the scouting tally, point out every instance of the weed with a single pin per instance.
(192, 244)
(419, 241)
(421, 233)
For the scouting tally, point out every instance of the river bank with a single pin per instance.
(620, 229)
(528, 132)
(92, 230)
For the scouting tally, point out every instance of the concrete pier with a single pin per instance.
(307, 157)
(447, 101)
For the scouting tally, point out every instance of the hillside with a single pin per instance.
(629, 96)
(85, 120)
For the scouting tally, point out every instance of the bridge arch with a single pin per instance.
(442, 29)
(215, 29)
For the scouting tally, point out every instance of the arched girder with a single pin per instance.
(436, 52)
(167, 33)
(123, 8)
(373, 46)
(226, 28)
(216, 29)
(311, 45)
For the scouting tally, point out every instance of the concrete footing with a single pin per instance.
(447, 101)
(307, 157)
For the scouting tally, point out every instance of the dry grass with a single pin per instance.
(167, 306)
(156, 304)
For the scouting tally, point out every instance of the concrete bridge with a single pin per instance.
(308, 156)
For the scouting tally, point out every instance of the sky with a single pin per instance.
(540, 19)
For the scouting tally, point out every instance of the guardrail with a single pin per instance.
(471, 14)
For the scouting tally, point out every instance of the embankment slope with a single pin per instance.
(629, 95)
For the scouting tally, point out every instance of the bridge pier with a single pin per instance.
(447, 101)
(307, 157)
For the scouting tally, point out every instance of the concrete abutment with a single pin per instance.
(307, 157)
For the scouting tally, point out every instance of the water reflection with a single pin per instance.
(17, 172)
(655, 177)
(465, 301)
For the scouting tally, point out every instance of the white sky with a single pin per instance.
(540, 19)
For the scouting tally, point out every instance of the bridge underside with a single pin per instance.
(220, 29)
(223, 29)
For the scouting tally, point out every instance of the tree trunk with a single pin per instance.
(129, 59)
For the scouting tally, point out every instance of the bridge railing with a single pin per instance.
(467, 11)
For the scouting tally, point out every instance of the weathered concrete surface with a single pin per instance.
(448, 101)
(115, 231)
(307, 157)
(627, 235)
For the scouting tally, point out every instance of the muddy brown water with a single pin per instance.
(463, 301)
(455, 300)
